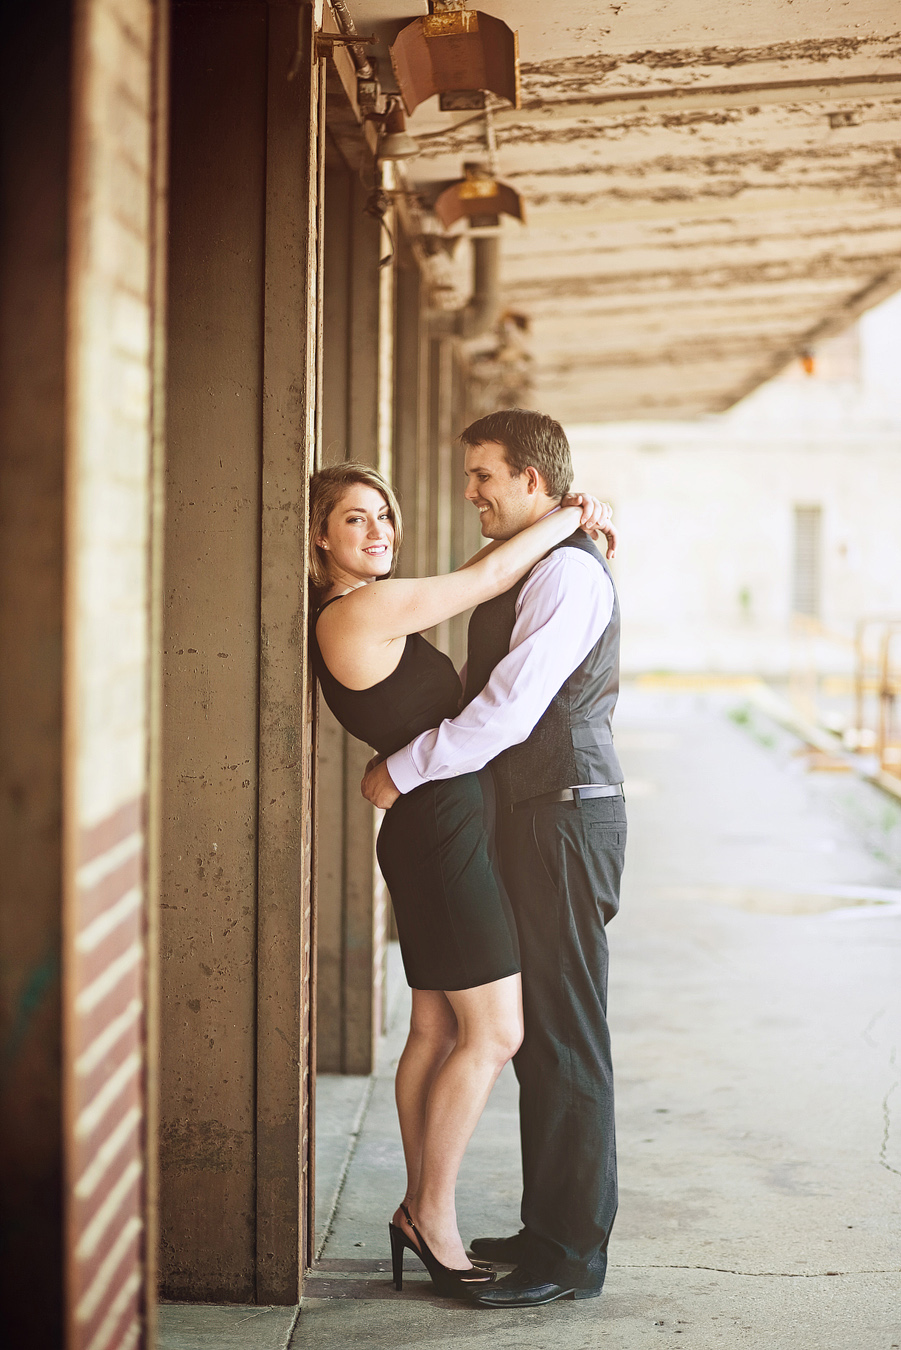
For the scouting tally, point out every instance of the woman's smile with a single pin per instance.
(359, 537)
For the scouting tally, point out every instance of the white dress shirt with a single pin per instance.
(561, 612)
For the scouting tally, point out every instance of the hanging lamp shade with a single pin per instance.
(395, 141)
(460, 51)
(480, 199)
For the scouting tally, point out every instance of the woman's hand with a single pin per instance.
(597, 518)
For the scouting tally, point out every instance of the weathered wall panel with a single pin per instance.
(351, 912)
(235, 929)
(211, 712)
(336, 315)
(409, 375)
(290, 355)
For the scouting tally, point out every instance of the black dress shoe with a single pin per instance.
(509, 1250)
(521, 1289)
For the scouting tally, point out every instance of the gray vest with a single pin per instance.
(573, 741)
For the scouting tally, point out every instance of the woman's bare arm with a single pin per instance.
(597, 521)
(482, 553)
(387, 610)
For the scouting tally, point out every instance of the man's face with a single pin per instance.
(505, 504)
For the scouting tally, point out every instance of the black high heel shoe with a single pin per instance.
(463, 1284)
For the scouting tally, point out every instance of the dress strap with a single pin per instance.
(331, 602)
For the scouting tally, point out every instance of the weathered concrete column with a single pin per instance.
(237, 773)
(351, 912)
(410, 444)
(440, 436)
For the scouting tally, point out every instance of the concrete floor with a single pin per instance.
(755, 1006)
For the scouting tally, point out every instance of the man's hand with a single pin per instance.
(377, 786)
(597, 518)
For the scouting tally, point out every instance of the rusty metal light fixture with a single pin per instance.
(395, 142)
(458, 54)
(480, 199)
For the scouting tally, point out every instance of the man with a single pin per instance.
(541, 685)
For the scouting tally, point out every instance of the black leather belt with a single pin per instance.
(573, 794)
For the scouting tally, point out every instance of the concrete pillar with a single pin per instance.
(336, 314)
(410, 483)
(466, 536)
(350, 907)
(235, 1130)
(440, 436)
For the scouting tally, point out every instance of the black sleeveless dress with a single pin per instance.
(454, 921)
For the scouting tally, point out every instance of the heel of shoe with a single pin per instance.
(461, 1284)
(398, 1243)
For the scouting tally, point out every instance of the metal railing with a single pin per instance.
(888, 732)
(863, 705)
(816, 652)
(872, 663)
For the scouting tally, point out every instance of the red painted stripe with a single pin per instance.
(131, 1096)
(126, 1263)
(129, 1208)
(87, 1207)
(87, 1087)
(103, 836)
(89, 1025)
(89, 966)
(96, 899)
(130, 1314)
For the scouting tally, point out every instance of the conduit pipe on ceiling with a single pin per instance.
(360, 59)
(484, 307)
(481, 312)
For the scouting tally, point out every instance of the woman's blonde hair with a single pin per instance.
(327, 487)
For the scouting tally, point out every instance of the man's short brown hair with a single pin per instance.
(530, 440)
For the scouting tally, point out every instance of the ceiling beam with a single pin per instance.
(880, 288)
(779, 92)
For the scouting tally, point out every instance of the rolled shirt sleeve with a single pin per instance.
(561, 612)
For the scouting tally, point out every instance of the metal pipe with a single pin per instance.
(484, 307)
(361, 60)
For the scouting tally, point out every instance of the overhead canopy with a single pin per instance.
(709, 189)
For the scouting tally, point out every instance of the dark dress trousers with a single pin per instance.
(561, 864)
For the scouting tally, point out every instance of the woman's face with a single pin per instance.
(359, 536)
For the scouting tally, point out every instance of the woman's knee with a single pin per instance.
(490, 1019)
(497, 1038)
(510, 1038)
(434, 1023)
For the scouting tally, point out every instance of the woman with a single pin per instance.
(385, 684)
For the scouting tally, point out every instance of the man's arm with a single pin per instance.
(563, 609)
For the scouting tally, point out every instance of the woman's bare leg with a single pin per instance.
(489, 1032)
(433, 1033)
